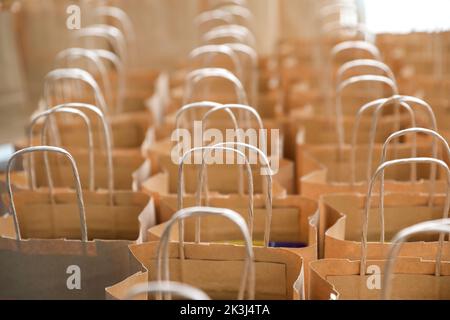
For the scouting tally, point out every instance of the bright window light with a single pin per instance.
(400, 16)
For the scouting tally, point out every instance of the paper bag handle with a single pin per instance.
(121, 75)
(442, 226)
(209, 104)
(74, 74)
(435, 135)
(196, 149)
(79, 192)
(215, 49)
(355, 131)
(111, 34)
(268, 173)
(242, 108)
(197, 75)
(107, 138)
(250, 110)
(73, 53)
(167, 287)
(232, 3)
(203, 104)
(351, 81)
(378, 172)
(336, 8)
(354, 64)
(201, 175)
(238, 32)
(335, 27)
(397, 99)
(162, 262)
(212, 15)
(239, 11)
(253, 56)
(121, 16)
(31, 168)
(356, 45)
(238, 8)
(237, 37)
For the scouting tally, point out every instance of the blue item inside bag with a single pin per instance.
(281, 244)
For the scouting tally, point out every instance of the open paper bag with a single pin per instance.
(70, 244)
(269, 273)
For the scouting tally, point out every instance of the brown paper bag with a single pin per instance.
(427, 87)
(128, 130)
(278, 213)
(331, 175)
(213, 84)
(308, 126)
(124, 161)
(308, 131)
(392, 278)
(293, 223)
(125, 77)
(50, 257)
(128, 127)
(121, 94)
(162, 151)
(347, 84)
(217, 268)
(142, 290)
(212, 114)
(342, 159)
(164, 142)
(343, 217)
(258, 76)
(225, 180)
(62, 85)
(227, 81)
(321, 75)
(159, 185)
(223, 86)
(162, 190)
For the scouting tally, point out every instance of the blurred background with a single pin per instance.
(33, 32)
